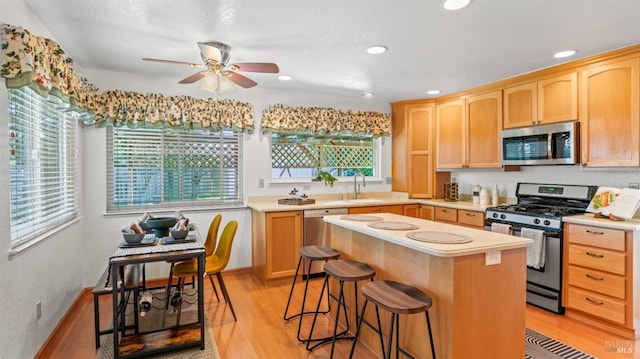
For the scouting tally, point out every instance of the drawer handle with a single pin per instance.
(595, 255)
(377, 209)
(594, 277)
(595, 233)
(471, 214)
(594, 301)
(445, 211)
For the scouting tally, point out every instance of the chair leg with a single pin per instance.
(358, 325)
(433, 348)
(214, 287)
(225, 293)
(295, 277)
(168, 289)
(390, 337)
(181, 286)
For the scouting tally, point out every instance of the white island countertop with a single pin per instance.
(481, 241)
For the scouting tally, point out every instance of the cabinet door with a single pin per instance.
(521, 105)
(610, 115)
(484, 123)
(558, 98)
(411, 210)
(420, 150)
(425, 211)
(399, 148)
(450, 135)
(284, 239)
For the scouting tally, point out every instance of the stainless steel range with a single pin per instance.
(541, 207)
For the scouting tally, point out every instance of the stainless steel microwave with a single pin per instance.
(552, 144)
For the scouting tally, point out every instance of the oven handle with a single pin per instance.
(546, 295)
(517, 228)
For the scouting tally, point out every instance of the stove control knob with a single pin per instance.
(503, 216)
(547, 222)
(536, 221)
(495, 215)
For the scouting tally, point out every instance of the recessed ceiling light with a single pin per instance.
(285, 78)
(433, 92)
(376, 50)
(367, 94)
(566, 53)
(455, 4)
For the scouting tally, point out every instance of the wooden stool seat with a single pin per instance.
(318, 253)
(349, 270)
(396, 298)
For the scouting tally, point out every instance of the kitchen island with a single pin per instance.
(478, 288)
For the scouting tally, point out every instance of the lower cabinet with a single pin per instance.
(598, 281)
(425, 211)
(276, 239)
(463, 217)
(396, 209)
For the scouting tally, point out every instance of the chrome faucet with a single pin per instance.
(356, 186)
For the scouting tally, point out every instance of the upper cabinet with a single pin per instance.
(468, 132)
(610, 114)
(549, 100)
(412, 149)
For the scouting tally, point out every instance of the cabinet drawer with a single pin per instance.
(597, 305)
(598, 237)
(445, 214)
(597, 258)
(597, 281)
(471, 218)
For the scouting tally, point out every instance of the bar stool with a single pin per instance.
(396, 298)
(342, 270)
(311, 254)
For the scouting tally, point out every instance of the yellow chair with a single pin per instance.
(214, 264)
(209, 245)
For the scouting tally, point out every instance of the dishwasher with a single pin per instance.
(317, 232)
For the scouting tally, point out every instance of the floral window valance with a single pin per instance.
(30, 60)
(317, 120)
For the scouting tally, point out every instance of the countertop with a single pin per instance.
(482, 241)
(589, 220)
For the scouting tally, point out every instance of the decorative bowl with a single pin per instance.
(133, 238)
(179, 234)
(161, 225)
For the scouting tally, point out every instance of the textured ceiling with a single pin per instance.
(321, 44)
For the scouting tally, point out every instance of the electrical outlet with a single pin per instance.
(492, 258)
(634, 185)
(388, 180)
(261, 183)
(38, 310)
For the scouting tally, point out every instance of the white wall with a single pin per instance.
(55, 270)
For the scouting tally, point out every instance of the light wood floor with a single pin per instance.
(261, 332)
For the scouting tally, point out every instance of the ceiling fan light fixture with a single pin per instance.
(377, 49)
(453, 5)
(285, 78)
(565, 53)
(367, 94)
(433, 92)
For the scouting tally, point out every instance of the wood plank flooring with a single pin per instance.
(261, 332)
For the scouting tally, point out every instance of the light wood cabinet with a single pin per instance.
(450, 134)
(610, 114)
(276, 239)
(468, 132)
(412, 167)
(462, 217)
(396, 209)
(549, 100)
(426, 211)
(598, 284)
(411, 210)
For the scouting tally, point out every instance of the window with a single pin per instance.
(302, 155)
(156, 168)
(43, 165)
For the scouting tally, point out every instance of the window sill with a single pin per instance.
(308, 180)
(22, 247)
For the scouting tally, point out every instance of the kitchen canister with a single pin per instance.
(484, 197)
(495, 194)
(451, 191)
(476, 193)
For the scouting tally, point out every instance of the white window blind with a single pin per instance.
(167, 169)
(43, 165)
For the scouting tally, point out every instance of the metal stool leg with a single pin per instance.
(295, 277)
(433, 348)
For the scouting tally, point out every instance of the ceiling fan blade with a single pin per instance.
(173, 62)
(193, 78)
(258, 67)
(241, 80)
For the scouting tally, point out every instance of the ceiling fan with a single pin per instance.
(216, 57)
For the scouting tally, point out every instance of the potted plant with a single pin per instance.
(326, 177)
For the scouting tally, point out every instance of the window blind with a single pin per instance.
(157, 168)
(43, 165)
